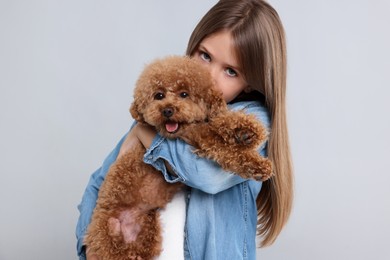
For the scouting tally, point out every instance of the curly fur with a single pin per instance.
(176, 96)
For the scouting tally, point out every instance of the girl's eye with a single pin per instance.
(204, 56)
(183, 94)
(159, 96)
(231, 72)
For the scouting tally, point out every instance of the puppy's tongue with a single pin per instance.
(171, 126)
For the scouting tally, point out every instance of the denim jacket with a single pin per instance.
(221, 214)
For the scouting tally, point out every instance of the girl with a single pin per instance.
(242, 43)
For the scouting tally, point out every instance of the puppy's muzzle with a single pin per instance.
(168, 112)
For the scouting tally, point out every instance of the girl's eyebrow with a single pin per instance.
(204, 49)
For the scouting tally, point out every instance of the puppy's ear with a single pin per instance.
(216, 103)
(136, 113)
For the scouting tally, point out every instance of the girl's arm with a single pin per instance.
(177, 162)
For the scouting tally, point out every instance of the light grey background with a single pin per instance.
(67, 69)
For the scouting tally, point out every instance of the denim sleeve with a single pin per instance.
(89, 198)
(192, 170)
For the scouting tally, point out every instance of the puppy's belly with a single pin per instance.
(172, 220)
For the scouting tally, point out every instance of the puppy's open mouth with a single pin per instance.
(172, 127)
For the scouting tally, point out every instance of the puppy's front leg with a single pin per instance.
(239, 129)
(254, 166)
(247, 164)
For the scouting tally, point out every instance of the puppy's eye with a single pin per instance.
(183, 94)
(159, 96)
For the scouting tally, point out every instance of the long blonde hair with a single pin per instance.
(259, 39)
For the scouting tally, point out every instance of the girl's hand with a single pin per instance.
(139, 133)
(145, 134)
(130, 142)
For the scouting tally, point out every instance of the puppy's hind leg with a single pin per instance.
(127, 225)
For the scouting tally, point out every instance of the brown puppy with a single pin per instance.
(176, 96)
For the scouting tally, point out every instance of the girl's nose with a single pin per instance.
(214, 75)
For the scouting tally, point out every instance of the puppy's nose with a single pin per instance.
(168, 111)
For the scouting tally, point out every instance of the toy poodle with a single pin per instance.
(176, 96)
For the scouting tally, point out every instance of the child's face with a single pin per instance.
(217, 53)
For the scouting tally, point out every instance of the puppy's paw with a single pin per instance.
(263, 170)
(244, 136)
(114, 227)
